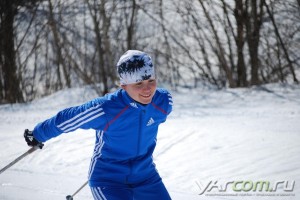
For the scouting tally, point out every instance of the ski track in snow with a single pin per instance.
(227, 135)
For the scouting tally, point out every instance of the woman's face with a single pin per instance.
(141, 92)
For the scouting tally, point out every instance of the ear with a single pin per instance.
(123, 87)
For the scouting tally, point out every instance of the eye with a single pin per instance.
(138, 85)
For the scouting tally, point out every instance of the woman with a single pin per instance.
(126, 124)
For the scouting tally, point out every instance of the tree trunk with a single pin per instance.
(240, 20)
(290, 64)
(131, 26)
(11, 84)
(254, 16)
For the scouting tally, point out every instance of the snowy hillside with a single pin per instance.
(236, 137)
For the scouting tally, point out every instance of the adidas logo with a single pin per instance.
(133, 104)
(30, 138)
(150, 122)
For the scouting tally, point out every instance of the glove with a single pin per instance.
(31, 141)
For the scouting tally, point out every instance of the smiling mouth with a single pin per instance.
(146, 96)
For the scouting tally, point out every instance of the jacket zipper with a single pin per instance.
(130, 172)
(138, 144)
(140, 133)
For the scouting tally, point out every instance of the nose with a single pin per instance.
(147, 87)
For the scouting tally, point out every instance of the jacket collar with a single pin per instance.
(131, 102)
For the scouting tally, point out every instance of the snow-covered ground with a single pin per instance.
(233, 137)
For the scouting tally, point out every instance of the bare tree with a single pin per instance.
(286, 54)
(59, 62)
(130, 24)
(102, 23)
(10, 91)
(59, 44)
(254, 12)
(240, 17)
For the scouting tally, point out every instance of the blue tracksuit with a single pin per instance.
(126, 134)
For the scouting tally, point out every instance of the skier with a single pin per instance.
(126, 124)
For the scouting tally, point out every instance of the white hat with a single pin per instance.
(135, 66)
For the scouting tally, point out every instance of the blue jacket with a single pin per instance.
(125, 134)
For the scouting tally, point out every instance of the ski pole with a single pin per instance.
(70, 197)
(29, 151)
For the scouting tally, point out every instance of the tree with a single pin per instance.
(10, 91)
(60, 44)
(278, 35)
(240, 17)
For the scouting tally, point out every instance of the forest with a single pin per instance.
(50, 45)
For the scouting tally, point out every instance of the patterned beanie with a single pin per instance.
(135, 66)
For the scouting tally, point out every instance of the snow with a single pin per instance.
(250, 134)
